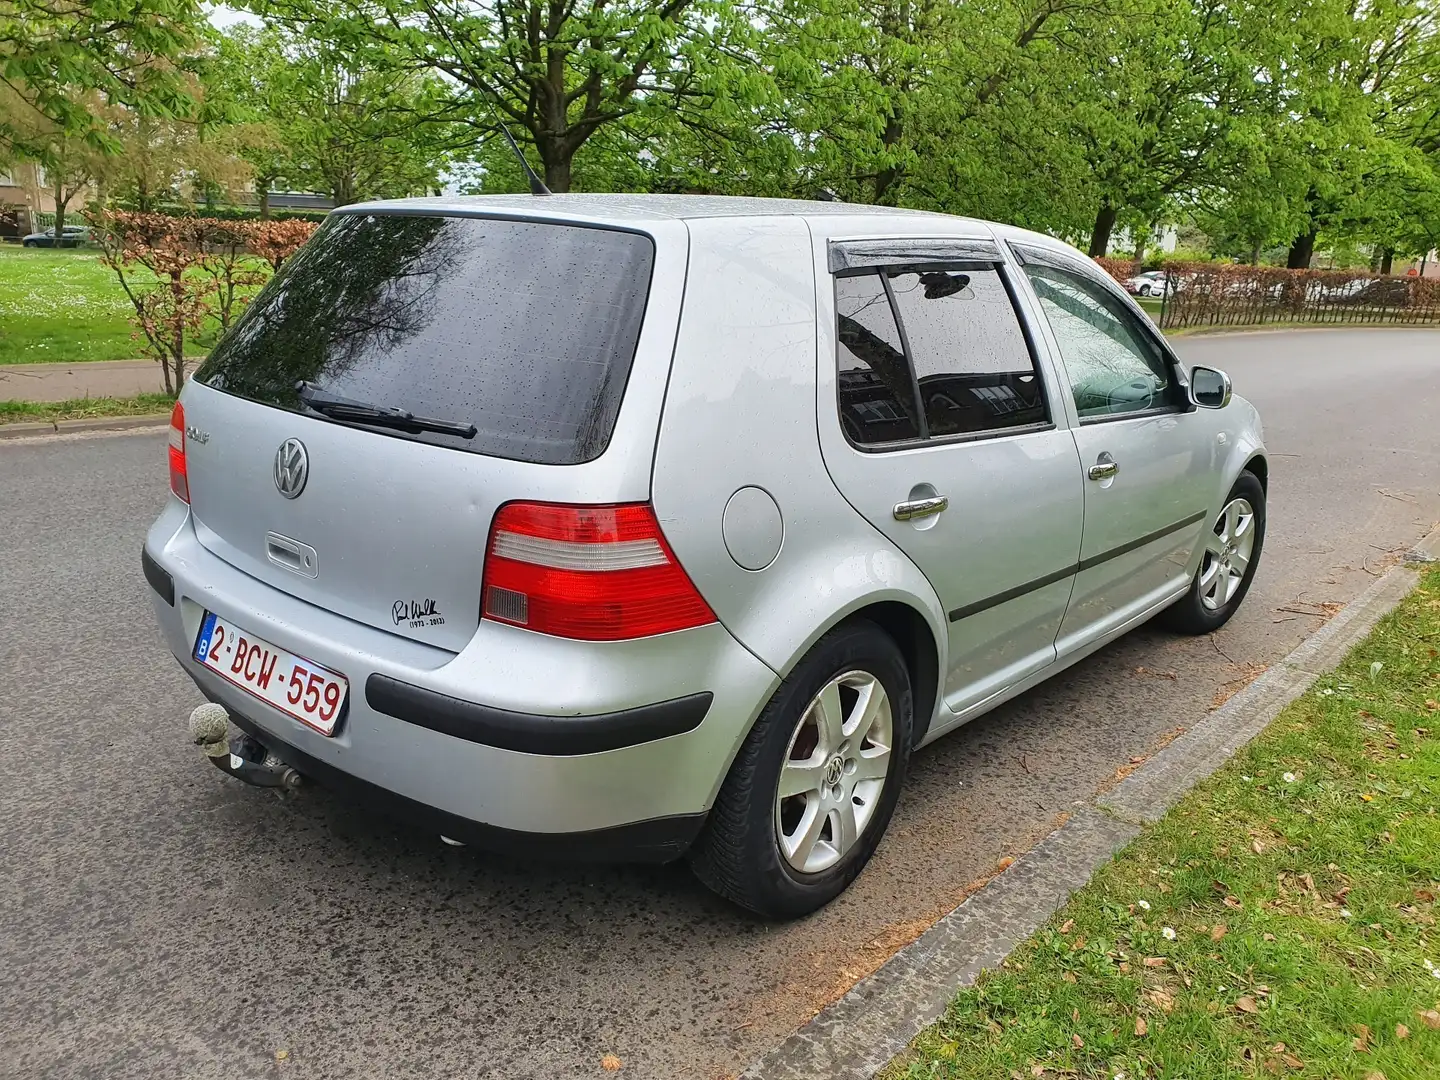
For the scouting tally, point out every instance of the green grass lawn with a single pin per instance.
(65, 307)
(17, 412)
(1280, 921)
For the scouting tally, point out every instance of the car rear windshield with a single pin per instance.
(524, 329)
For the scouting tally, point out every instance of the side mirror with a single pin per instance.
(1209, 388)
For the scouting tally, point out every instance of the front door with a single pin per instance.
(1148, 467)
(951, 449)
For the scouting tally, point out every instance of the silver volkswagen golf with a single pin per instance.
(631, 527)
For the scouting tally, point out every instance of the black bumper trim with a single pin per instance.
(655, 840)
(159, 580)
(529, 733)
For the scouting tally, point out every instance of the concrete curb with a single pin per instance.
(93, 423)
(855, 1037)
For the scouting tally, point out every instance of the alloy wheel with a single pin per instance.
(1228, 550)
(834, 772)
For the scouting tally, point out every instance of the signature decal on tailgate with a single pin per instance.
(416, 613)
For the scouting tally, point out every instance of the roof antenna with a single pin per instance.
(537, 186)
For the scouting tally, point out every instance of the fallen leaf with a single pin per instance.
(1375, 1076)
(1005, 863)
(1401, 1031)
(1154, 961)
(1037, 1070)
(1077, 1042)
(281, 1055)
(1426, 895)
(1141, 1028)
(1067, 926)
(1247, 1004)
(1367, 796)
(1430, 1018)
(1069, 977)
(1218, 932)
(1269, 937)
(1074, 1016)
(1078, 944)
(1161, 999)
(1231, 902)
(610, 1063)
(1124, 967)
(1293, 1061)
(1257, 847)
(1361, 1042)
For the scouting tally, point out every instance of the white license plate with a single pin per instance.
(310, 693)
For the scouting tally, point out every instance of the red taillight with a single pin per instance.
(597, 573)
(179, 478)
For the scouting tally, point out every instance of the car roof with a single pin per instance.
(634, 209)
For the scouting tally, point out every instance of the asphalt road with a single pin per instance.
(158, 919)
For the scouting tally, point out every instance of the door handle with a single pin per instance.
(918, 508)
(1105, 468)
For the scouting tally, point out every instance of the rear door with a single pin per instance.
(1149, 467)
(952, 449)
(524, 329)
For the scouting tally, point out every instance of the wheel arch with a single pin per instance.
(1260, 466)
(909, 629)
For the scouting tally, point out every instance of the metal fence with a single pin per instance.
(1220, 294)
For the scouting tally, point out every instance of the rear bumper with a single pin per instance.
(520, 742)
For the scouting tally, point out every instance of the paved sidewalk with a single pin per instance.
(61, 382)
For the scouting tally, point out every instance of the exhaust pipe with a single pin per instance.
(243, 757)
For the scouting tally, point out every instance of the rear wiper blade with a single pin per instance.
(338, 408)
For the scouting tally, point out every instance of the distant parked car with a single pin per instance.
(1150, 283)
(70, 236)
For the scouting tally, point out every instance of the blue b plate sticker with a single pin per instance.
(202, 643)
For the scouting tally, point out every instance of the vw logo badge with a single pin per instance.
(292, 468)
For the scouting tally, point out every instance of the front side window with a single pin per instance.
(1114, 367)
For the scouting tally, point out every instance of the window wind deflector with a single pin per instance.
(848, 255)
(338, 408)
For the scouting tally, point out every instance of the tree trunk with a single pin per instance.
(887, 180)
(264, 200)
(1142, 238)
(1104, 226)
(1387, 260)
(1302, 250)
(60, 201)
(1255, 255)
(557, 175)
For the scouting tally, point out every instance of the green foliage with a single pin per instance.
(53, 53)
(314, 115)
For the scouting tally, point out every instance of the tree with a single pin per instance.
(306, 111)
(558, 72)
(52, 52)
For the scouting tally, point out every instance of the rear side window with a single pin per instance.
(877, 393)
(524, 329)
(971, 359)
(932, 352)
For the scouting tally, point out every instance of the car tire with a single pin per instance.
(1216, 591)
(744, 853)
(30, 244)
(1144, 290)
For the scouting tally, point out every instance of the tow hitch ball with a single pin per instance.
(244, 757)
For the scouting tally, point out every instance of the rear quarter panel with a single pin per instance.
(740, 411)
